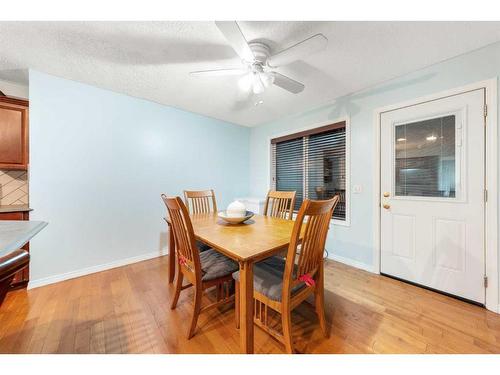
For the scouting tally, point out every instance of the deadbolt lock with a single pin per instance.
(386, 194)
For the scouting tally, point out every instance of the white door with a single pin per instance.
(432, 186)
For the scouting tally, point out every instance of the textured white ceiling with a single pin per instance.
(151, 60)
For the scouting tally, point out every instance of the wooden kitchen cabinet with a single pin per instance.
(13, 133)
(21, 215)
(22, 277)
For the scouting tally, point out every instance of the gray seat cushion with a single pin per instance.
(215, 265)
(268, 278)
(202, 246)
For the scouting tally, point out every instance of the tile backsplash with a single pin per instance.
(13, 187)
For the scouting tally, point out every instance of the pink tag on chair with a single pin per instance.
(182, 260)
(306, 278)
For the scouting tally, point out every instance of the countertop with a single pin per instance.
(14, 234)
(15, 208)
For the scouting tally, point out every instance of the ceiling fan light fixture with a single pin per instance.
(245, 83)
(258, 85)
(267, 79)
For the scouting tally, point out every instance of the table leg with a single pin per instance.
(246, 307)
(171, 255)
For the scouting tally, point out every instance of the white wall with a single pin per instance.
(14, 89)
(354, 244)
(98, 164)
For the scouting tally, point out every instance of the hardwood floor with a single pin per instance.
(126, 310)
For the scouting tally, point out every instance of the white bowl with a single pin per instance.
(236, 209)
(235, 220)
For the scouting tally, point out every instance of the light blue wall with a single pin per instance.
(355, 242)
(99, 162)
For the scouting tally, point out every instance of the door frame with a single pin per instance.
(491, 181)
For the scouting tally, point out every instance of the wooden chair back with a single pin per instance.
(280, 204)
(188, 256)
(200, 202)
(316, 216)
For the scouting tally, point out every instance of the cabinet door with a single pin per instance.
(12, 216)
(13, 135)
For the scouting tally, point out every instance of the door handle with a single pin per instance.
(386, 206)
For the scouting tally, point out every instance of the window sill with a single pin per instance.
(342, 223)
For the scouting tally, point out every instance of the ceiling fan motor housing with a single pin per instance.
(261, 51)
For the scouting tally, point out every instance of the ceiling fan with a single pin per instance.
(257, 71)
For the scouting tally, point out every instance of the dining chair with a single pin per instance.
(282, 284)
(200, 201)
(280, 204)
(203, 270)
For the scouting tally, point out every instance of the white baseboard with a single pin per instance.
(352, 262)
(93, 269)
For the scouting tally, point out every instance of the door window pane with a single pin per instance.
(425, 164)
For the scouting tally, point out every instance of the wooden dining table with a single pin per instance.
(258, 238)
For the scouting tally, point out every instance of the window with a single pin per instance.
(425, 153)
(313, 163)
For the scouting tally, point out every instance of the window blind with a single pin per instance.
(313, 163)
(289, 167)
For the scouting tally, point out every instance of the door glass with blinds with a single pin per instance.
(426, 160)
(312, 163)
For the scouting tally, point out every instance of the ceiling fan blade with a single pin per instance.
(219, 72)
(287, 83)
(236, 39)
(298, 51)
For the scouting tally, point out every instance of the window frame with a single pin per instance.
(347, 221)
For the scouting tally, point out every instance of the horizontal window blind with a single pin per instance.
(312, 163)
(426, 163)
(288, 164)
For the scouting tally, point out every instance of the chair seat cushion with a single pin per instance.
(268, 278)
(215, 265)
(202, 246)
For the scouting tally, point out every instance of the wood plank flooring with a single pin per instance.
(126, 310)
